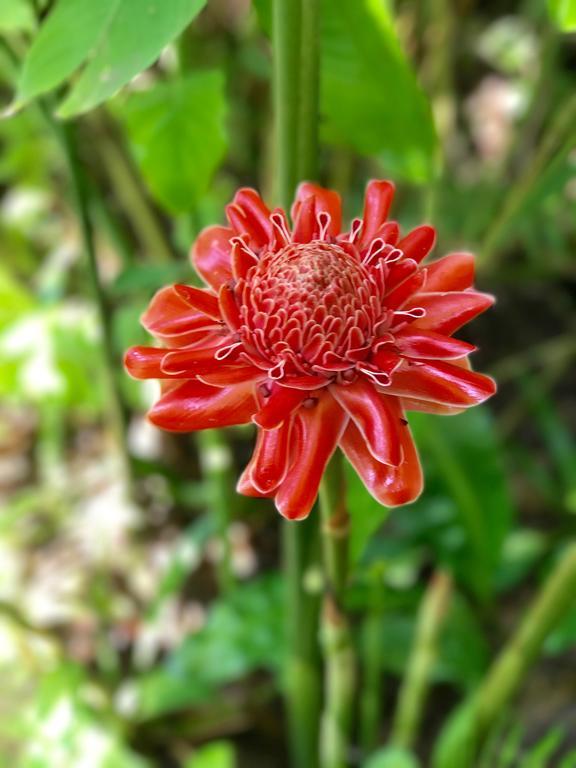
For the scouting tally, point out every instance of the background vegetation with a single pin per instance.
(141, 605)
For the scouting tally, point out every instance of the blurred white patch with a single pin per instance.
(144, 440)
(492, 111)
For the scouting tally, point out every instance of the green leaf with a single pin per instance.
(178, 137)
(113, 39)
(218, 754)
(466, 497)
(242, 634)
(370, 99)
(16, 16)
(392, 757)
(563, 12)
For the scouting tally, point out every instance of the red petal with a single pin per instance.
(246, 487)
(414, 342)
(229, 308)
(390, 486)
(237, 375)
(418, 243)
(200, 299)
(377, 416)
(191, 362)
(249, 215)
(316, 434)
(446, 312)
(170, 315)
(325, 200)
(377, 202)
(211, 255)
(407, 288)
(442, 383)
(195, 405)
(454, 272)
(304, 218)
(278, 406)
(425, 406)
(269, 463)
(144, 362)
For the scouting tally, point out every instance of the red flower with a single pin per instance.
(321, 338)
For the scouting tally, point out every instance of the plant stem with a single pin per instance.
(307, 158)
(556, 596)
(336, 635)
(216, 459)
(292, 94)
(371, 655)
(65, 133)
(424, 652)
(286, 42)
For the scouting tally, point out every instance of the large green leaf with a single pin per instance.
(113, 39)
(466, 500)
(178, 137)
(16, 15)
(392, 757)
(370, 99)
(564, 14)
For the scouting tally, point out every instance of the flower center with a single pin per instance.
(309, 308)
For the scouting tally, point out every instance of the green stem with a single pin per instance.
(286, 43)
(424, 653)
(336, 635)
(556, 596)
(372, 647)
(295, 99)
(307, 157)
(216, 458)
(65, 132)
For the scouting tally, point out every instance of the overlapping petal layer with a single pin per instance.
(322, 338)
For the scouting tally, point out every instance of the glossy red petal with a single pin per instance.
(407, 288)
(249, 215)
(210, 255)
(237, 375)
(144, 362)
(270, 460)
(442, 382)
(170, 315)
(191, 362)
(425, 406)
(454, 272)
(446, 312)
(304, 217)
(377, 416)
(200, 299)
(418, 243)
(195, 405)
(316, 435)
(278, 405)
(391, 486)
(229, 309)
(325, 201)
(416, 342)
(377, 202)
(246, 487)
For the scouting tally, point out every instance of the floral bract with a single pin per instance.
(322, 338)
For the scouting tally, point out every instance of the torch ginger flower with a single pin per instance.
(321, 338)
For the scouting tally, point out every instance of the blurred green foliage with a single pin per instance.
(119, 645)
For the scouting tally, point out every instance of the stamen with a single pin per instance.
(324, 219)
(395, 254)
(224, 352)
(244, 247)
(378, 377)
(355, 229)
(376, 247)
(277, 372)
(279, 224)
(415, 312)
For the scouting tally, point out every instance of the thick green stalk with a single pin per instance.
(509, 670)
(302, 675)
(340, 672)
(371, 658)
(424, 653)
(307, 161)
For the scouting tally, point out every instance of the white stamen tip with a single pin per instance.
(324, 219)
